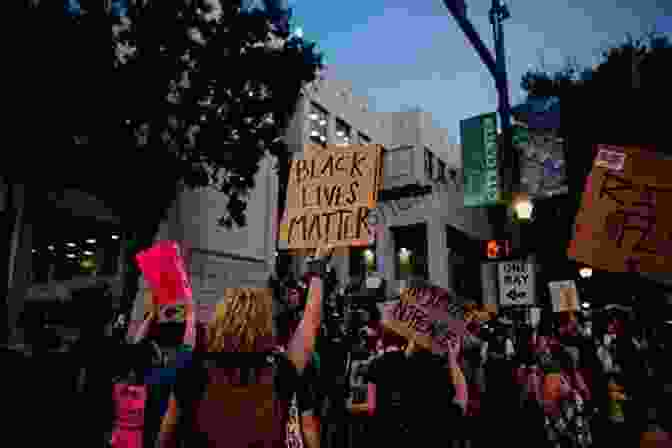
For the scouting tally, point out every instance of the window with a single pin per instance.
(363, 139)
(80, 247)
(411, 252)
(319, 124)
(429, 164)
(343, 133)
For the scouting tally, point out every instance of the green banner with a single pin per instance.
(482, 185)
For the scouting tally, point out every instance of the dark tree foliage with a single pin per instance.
(173, 94)
(621, 101)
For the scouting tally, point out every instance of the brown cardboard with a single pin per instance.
(329, 195)
(625, 220)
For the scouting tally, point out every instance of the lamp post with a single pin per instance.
(497, 67)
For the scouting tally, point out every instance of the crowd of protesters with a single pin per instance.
(270, 371)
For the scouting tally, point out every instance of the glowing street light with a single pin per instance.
(523, 207)
(115, 237)
(586, 272)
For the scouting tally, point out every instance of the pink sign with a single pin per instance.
(430, 315)
(130, 415)
(163, 267)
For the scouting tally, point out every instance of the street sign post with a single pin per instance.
(516, 283)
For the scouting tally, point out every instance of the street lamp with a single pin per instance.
(523, 207)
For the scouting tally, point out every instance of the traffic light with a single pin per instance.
(498, 249)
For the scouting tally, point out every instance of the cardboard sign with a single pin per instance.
(429, 315)
(163, 267)
(564, 295)
(516, 283)
(625, 222)
(329, 195)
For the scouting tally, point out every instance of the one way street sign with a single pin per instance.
(516, 283)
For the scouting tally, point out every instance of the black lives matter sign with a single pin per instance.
(330, 193)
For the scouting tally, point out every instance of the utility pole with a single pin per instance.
(497, 67)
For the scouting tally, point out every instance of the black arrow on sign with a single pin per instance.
(515, 295)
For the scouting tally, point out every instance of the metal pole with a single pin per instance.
(498, 13)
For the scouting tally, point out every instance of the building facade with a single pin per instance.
(422, 228)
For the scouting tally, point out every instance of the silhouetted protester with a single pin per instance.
(96, 359)
(232, 396)
(413, 398)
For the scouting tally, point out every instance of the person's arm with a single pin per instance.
(311, 430)
(371, 398)
(457, 377)
(460, 384)
(144, 328)
(302, 344)
(168, 434)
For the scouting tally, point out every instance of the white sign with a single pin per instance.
(516, 283)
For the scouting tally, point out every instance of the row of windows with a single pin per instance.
(88, 249)
(318, 119)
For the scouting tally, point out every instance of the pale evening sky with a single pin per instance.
(412, 53)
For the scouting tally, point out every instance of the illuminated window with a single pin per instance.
(318, 119)
(75, 247)
(343, 133)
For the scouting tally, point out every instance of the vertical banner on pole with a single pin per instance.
(482, 185)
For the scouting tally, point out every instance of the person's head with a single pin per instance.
(243, 321)
(389, 338)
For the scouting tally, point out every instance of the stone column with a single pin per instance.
(489, 279)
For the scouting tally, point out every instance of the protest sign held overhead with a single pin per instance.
(163, 267)
(427, 314)
(623, 224)
(329, 195)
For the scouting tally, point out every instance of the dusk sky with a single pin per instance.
(405, 53)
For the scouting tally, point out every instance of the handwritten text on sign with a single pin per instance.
(431, 316)
(330, 193)
(516, 283)
(623, 224)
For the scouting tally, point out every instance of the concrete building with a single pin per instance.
(431, 235)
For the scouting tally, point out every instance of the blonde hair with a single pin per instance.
(243, 321)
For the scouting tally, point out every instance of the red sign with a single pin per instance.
(163, 267)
